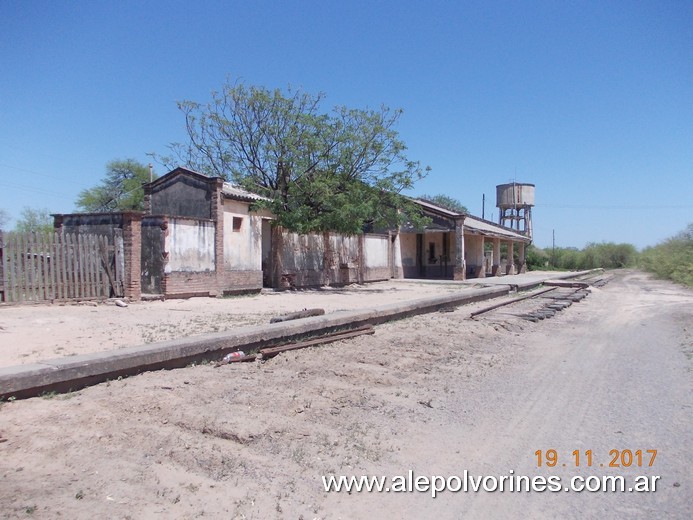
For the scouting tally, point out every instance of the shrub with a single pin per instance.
(671, 259)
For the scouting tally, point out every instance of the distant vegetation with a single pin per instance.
(446, 202)
(671, 259)
(4, 218)
(33, 220)
(120, 190)
(606, 255)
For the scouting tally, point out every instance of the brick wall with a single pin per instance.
(230, 282)
(180, 284)
(304, 278)
(132, 247)
(218, 218)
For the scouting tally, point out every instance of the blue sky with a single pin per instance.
(590, 101)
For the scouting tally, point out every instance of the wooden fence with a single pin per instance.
(59, 266)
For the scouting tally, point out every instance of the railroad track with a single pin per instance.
(545, 303)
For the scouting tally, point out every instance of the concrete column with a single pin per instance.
(459, 271)
(480, 268)
(510, 268)
(132, 252)
(521, 254)
(396, 256)
(496, 257)
(362, 258)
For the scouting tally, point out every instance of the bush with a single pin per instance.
(606, 255)
(536, 258)
(671, 259)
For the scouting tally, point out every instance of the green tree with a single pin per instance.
(536, 258)
(120, 190)
(4, 218)
(446, 202)
(34, 220)
(321, 171)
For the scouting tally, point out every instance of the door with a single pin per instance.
(266, 252)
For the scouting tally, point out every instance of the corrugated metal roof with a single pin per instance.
(484, 227)
(435, 207)
(236, 192)
(472, 224)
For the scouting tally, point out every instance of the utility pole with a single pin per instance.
(483, 204)
(553, 248)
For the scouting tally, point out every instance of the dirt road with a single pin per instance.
(438, 394)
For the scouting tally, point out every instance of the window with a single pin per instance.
(237, 223)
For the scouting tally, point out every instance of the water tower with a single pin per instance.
(515, 201)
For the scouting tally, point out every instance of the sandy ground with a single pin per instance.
(436, 394)
(30, 333)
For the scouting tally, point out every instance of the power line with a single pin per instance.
(33, 189)
(32, 172)
(596, 206)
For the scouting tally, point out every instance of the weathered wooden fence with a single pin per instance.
(59, 266)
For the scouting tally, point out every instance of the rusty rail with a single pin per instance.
(492, 307)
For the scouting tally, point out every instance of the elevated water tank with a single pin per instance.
(515, 201)
(514, 195)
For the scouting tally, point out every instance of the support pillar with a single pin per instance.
(459, 271)
(217, 214)
(480, 268)
(495, 270)
(132, 255)
(521, 254)
(397, 271)
(510, 268)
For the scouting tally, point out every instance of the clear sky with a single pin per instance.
(592, 101)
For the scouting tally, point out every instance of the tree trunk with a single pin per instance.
(277, 256)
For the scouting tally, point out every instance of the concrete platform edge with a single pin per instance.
(76, 372)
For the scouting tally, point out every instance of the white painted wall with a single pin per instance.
(242, 248)
(190, 245)
(307, 252)
(303, 252)
(376, 250)
(408, 249)
(346, 249)
(474, 249)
